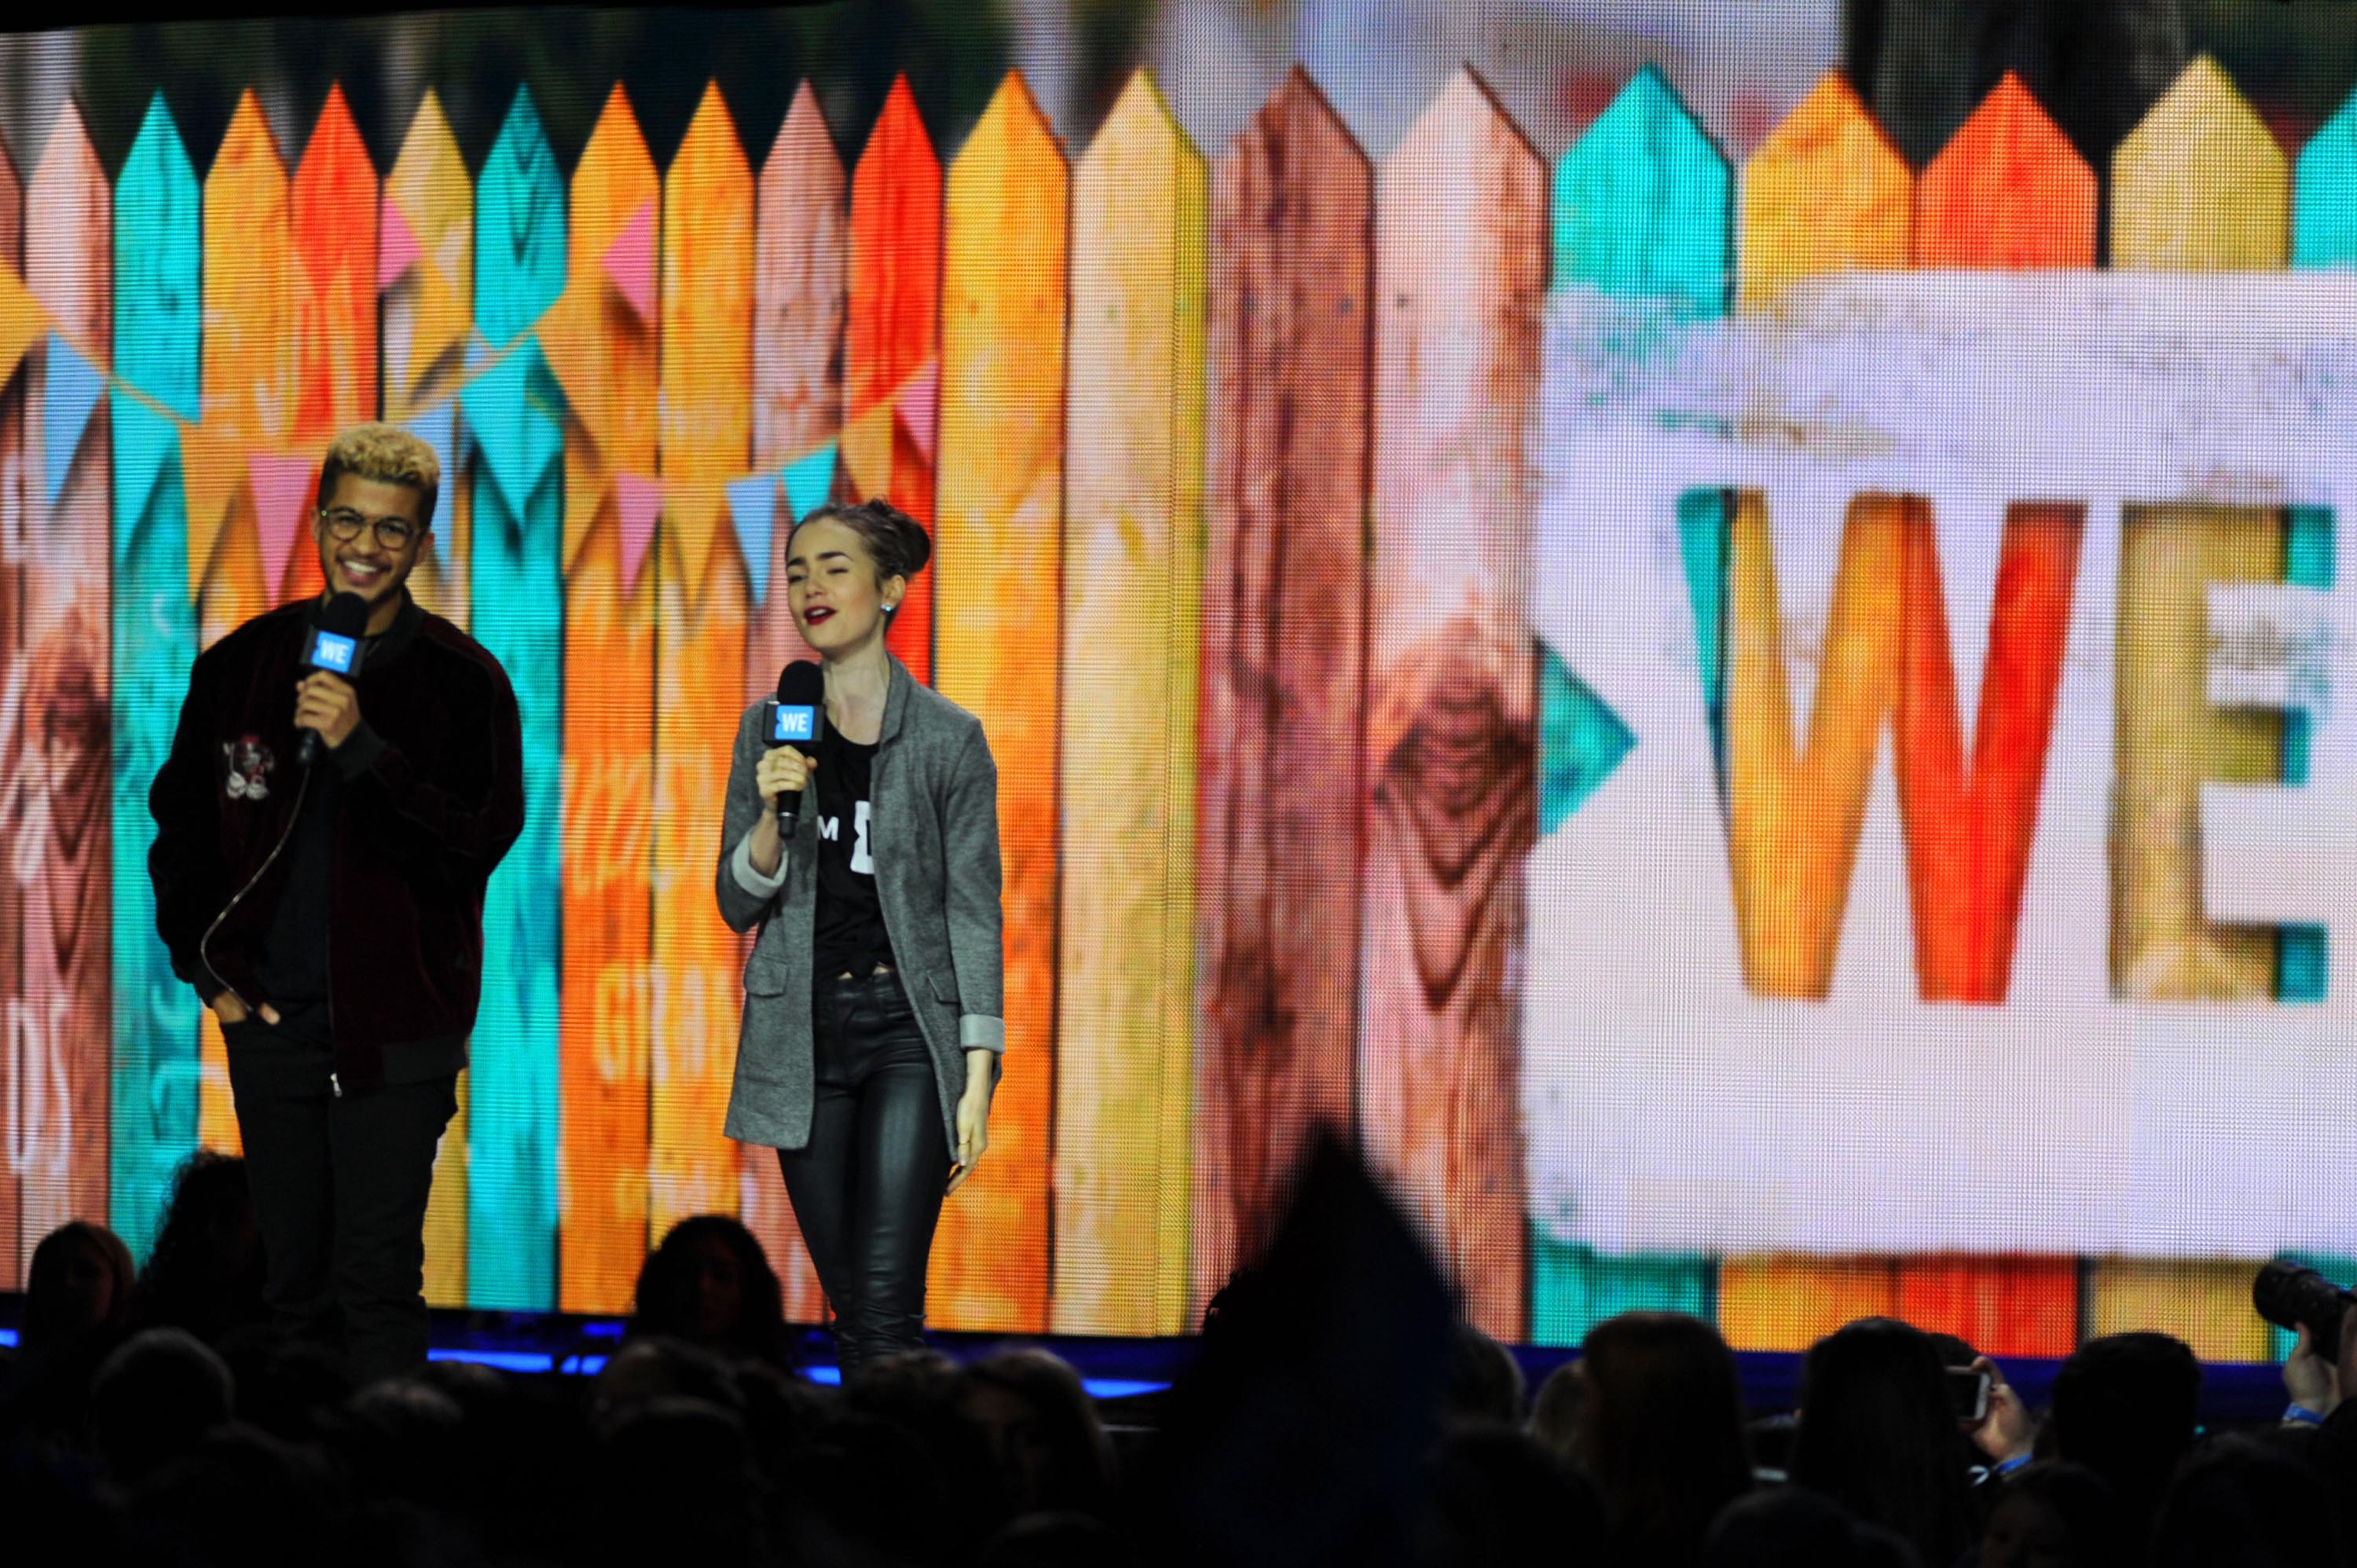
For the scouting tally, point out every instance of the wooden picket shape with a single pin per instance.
(429, 200)
(892, 340)
(157, 327)
(2324, 234)
(512, 489)
(707, 438)
(62, 765)
(2008, 193)
(1132, 591)
(246, 406)
(2324, 194)
(1450, 802)
(16, 1247)
(996, 619)
(2200, 186)
(330, 315)
(247, 399)
(800, 247)
(604, 352)
(801, 251)
(1284, 665)
(1643, 205)
(427, 307)
(1826, 193)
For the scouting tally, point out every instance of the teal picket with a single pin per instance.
(158, 263)
(513, 418)
(1643, 219)
(2324, 234)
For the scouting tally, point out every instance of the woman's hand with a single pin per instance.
(974, 1114)
(782, 770)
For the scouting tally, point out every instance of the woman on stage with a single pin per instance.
(872, 1029)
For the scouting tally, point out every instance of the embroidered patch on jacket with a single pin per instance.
(249, 764)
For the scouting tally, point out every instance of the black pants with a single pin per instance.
(339, 1185)
(868, 1187)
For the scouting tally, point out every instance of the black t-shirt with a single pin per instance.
(849, 927)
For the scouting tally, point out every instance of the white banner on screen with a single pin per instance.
(1666, 1106)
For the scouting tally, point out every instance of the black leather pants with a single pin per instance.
(868, 1187)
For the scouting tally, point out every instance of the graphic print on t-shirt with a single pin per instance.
(831, 829)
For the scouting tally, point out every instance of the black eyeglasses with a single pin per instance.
(393, 533)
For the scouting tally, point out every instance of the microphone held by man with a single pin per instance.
(335, 647)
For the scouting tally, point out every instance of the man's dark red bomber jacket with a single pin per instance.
(439, 802)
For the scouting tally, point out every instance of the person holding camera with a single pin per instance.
(2323, 1389)
(872, 1031)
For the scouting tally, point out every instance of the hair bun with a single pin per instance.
(916, 545)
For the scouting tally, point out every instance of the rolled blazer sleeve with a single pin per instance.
(970, 844)
(746, 896)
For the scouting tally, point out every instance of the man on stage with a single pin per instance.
(330, 913)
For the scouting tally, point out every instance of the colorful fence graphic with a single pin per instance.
(1234, 463)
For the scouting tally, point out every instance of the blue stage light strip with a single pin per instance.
(505, 1360)
(7, 1338)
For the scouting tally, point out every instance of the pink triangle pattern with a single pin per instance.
(631, 261)
(919, 406)
(397, 249)
(640, 500)
(282, 494)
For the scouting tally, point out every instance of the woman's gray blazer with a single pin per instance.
(934, 828)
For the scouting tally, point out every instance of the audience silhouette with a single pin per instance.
(1339, 1414)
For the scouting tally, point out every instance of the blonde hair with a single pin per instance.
(390, 455)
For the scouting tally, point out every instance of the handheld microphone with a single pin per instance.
(797, 719)
(334, 646)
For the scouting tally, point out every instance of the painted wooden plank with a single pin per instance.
(800, 291)
(516, 573)
(2200, 184)
(1452, 803)
(157, 327)
(1787, 1302)
(707, 439)
(331, 311)
(247, 389)
(62, 1005)
(426, 246)
(603, 351)
(1826, 193)
(1126, 744)
(1004, 334)
(247, 408)
(2007, 193)
(1642, 217)
(2324, 234)
(2207, 1305)
(892, 339)
(430, 208)
(1284, 665)
(2324, 194)
(801, 252)
(2001, 1307)
(17, 822)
